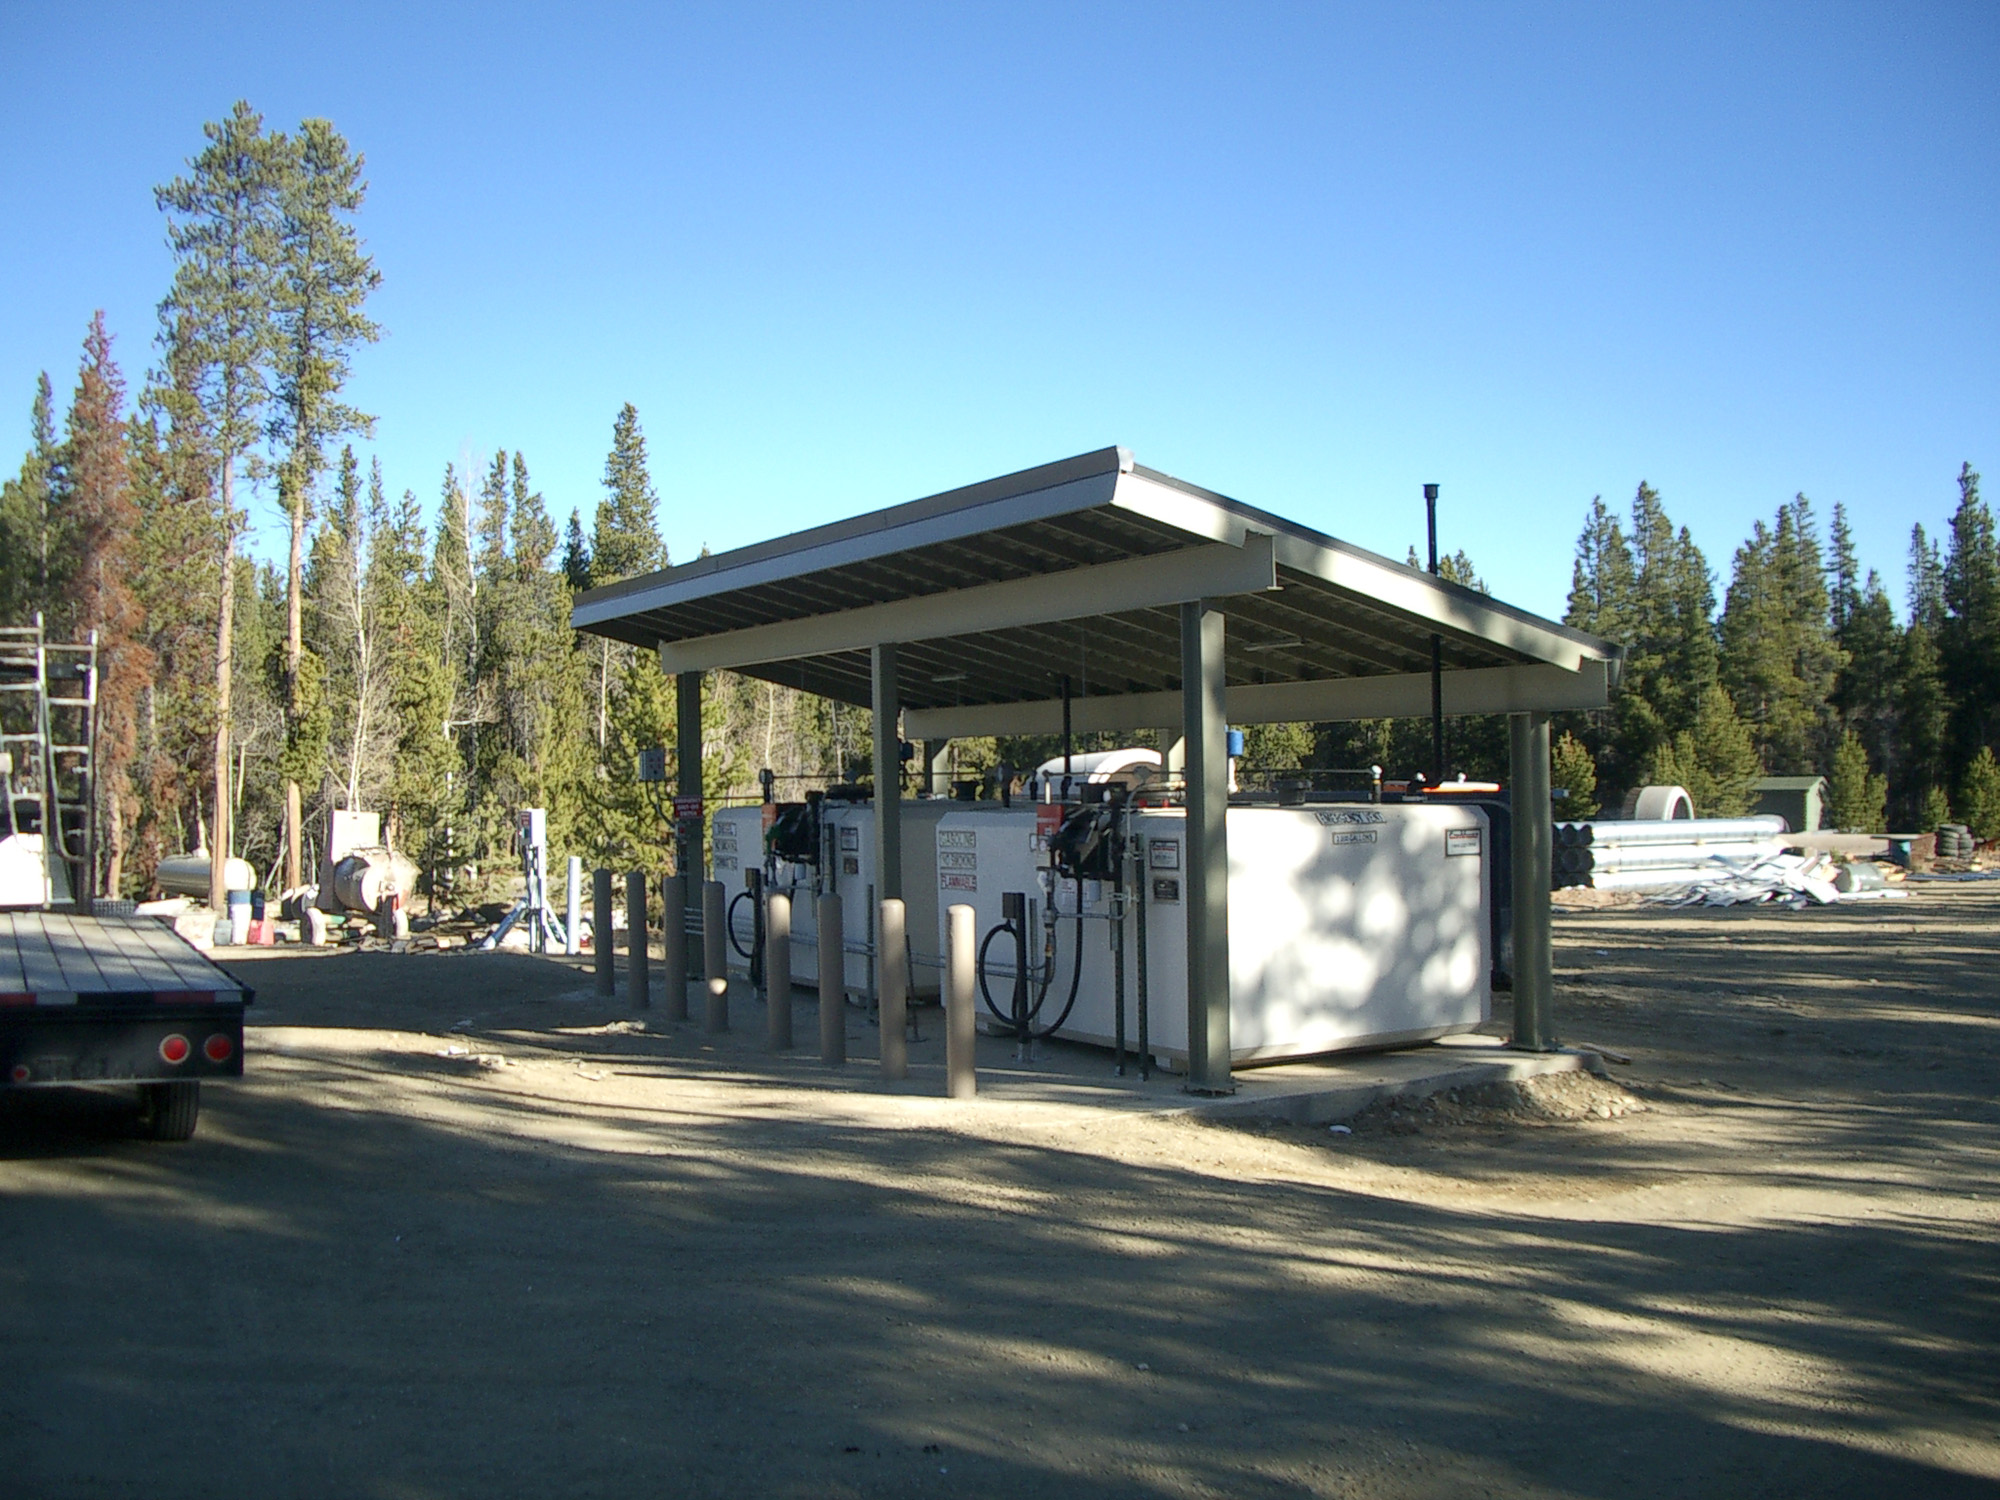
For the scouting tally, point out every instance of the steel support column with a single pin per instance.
(934, 750)
(1534, 853)
(888, 775)
(1205, 729)
(689, 854)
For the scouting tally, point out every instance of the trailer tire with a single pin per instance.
(168, 1111)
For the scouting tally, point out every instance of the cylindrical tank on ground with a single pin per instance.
(365, 876)
(187, 874)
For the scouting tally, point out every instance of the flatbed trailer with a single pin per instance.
(117, 1000)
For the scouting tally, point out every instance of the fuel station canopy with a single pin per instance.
(996, 592)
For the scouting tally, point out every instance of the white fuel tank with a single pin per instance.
(846, 867)
(1350, 926)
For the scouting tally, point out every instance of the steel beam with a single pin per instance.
(1207, 732)
(1478, 690)
(888, 776)
(1534, 853)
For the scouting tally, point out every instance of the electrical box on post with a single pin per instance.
(653, 765)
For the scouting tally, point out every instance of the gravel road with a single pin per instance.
(465, 1230)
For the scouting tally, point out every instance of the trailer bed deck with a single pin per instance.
(55, 958)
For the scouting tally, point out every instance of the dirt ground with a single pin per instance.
(466, 1230)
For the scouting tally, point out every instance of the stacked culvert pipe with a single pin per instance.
(1658, 854)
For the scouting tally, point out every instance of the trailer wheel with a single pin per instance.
(167, 1111)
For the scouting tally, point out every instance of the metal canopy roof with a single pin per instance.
(995, 592)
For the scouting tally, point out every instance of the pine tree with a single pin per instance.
(100, 519)
(1969, 638)
(539, 757)
(1654, 596)
(1979, 795)
(27, 521)
(1867, 690)
(1926, 581)
(410, 619)
(1857, 798)
(176, 574)
(1573, 775)
(634, 698)
(576, 554)
(1715, 760)
(1779, 659)
(217, 323)
(321, 280)
(626, 541)
(1922, 717)
(1844, 590)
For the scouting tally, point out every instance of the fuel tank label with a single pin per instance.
(1461, 841)
(1349, 817)
(1365, 837)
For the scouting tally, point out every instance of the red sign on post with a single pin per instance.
(1048, 818)
(687, 808)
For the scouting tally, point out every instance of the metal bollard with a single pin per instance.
(600, 931)
(778, 972)
(893, 975)
(638, 961)
(832, 982)
(714, 957)
(961, 1077)
(674, 945)
(573, 908)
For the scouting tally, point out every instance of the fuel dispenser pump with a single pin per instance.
(1086, 843)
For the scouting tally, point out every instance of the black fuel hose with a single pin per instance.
(1034, 1010)
(729, 926)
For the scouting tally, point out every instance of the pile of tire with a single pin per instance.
(1954, 841)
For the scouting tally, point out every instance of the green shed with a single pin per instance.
(1799, 800)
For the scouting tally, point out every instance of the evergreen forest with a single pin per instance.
(419, 662)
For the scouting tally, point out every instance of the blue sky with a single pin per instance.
(1311, 256)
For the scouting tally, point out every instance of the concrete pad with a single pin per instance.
(1071, 1076)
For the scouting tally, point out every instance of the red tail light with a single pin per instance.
(217, 1048)
(174, 1050)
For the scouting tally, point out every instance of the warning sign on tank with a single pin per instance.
(1367, 836)
(955, 880)
(1461, 841)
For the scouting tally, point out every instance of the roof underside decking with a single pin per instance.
(995, 593)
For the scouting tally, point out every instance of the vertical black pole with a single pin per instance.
(600, 930)
(688, 840)
(1533, 852)
(1437, 651)
(1066, 734)
(638, 966)
(887, 701)
(1204, 723)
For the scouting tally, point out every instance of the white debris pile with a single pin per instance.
(1790, 880)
